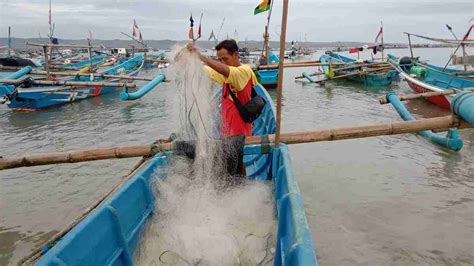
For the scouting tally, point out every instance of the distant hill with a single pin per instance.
(20, 43)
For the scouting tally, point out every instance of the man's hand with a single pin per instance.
(192, 48)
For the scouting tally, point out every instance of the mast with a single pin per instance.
(266, 36)
(9, 42)
(383, 47)
(51, 25)
(280, 71)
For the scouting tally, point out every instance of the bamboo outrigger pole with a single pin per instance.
(443, 123)
(98, 75)
(70, 83)
(280, 71)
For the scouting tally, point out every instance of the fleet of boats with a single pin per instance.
(110, 233)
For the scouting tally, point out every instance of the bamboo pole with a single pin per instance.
(61, 45)
(316, 63)
(393, 128)
(284, 20)
(346, 68)
(311, 75)
(41, 72)
(46, 61)
(89, 50)
(275, 66)
(356, 73)
(70, 83)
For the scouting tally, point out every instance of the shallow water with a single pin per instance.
(384, 200)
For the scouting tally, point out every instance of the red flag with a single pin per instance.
(199, 31)
(353, 50)
(90, 35)
(379, 34)
(467, 33)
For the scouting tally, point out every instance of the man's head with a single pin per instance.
(228, 52)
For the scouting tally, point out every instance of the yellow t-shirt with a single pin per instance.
(238, 76)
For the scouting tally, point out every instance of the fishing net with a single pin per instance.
(200, 218)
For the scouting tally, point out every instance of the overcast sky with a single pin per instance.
(319, 20)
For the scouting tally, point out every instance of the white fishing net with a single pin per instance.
(197, 221)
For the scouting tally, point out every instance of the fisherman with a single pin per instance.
(234, 76)
(239, 78)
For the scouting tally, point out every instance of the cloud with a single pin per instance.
(322, 20)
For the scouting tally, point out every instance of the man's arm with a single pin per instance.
(219, 67)
(216, 65)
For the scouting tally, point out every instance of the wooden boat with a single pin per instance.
(268, 77)
(96, 60)
(375, 78)
(426, 78)
(34, 97)
(110, 234)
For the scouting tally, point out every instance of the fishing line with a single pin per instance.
(172, 252)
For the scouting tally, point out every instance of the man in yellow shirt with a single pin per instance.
(233, 76)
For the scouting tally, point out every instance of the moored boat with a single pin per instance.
(268, 77)
(26, 96)
(426, 78)
(367, 74)
(110, 234)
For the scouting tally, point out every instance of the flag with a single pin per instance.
(191, 31)
(353, 50)
(263, 6)
(379, 34)
(90, 35)
(467, 33)
(199, 31)
(212, 36)
(136, 30)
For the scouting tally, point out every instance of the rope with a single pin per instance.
(179, 256)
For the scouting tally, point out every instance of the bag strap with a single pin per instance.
(234, 97)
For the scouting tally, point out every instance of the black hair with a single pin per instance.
(230, 45)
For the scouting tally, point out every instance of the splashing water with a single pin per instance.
(198, 222)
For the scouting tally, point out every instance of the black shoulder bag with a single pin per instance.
(252, 109)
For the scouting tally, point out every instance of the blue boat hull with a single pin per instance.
(268, 78)
(40, 97)
(429, 78)
(110, 234)
(371, 79)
